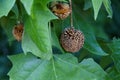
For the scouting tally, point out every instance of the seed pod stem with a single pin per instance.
(71, 18)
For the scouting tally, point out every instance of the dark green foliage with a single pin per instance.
(39, 56)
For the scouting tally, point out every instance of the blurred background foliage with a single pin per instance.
(105, 30)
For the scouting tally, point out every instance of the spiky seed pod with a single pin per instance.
(72, 40)
(60, 9)
(18, 31)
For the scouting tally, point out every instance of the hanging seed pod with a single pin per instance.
(60, 9)
(18, 31)
(72, 40)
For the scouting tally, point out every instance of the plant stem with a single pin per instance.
(49, 27)
(71, 18)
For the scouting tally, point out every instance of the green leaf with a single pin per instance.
(55, 41)
(96, 6)
(81, 23)
(91, 43)
(4, 67)
(56, 31)
(107, 4)
(115, 48)
(100, 33)
(87, 5)
(36, 26)
(5, 7)
(92, 67)
(114, 75)
(116, 59)
(15, 11)
(29, 46)
(28, 5)
(30, 67)
(7, 23)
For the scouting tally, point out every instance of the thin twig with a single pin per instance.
(71, 18)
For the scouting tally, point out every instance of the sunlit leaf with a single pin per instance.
(96, 6)
(28, 5)
(30, 67)
(29, 46)
(38, 30)
(5, 7)
(91, 43)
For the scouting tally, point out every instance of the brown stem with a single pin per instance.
(71, 18)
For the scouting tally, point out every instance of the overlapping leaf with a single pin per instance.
(107, 4)
(29, 46)
(81, 23)
(5, 7)
(87, 5)
(28, 5)
(114, 74)
(115, 48)
(36, 26)
(96, 6)
(62, 67)
(7, 23)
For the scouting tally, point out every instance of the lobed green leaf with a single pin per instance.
(36, 26)
(30, 67)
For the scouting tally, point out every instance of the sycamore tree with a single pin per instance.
(38, 54)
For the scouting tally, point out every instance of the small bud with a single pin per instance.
(60, 9)
(18, 31)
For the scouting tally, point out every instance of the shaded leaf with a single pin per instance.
(99, 32)
(55, 32)
(115, 48)
(15, 10)
(5, 7)
(116, 59)
(107, 4)
(7, 24)
(82, 24)
(4, 67)
(114, 75)
(87, 5)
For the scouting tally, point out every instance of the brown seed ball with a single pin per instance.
(72, 40)
(18, 31)
(60, 9)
